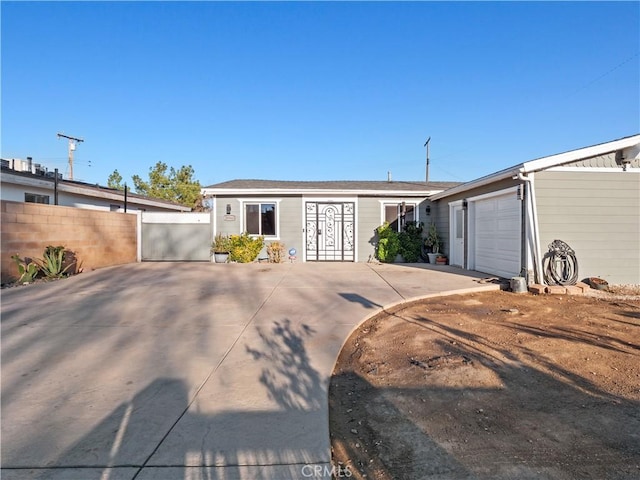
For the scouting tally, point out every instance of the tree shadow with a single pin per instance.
(162, 432)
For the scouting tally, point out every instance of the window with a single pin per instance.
(398, 214)
(35, 198)
(260, 219)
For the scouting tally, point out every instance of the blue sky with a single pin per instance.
(315, 90)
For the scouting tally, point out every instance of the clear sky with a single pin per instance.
(315, 90)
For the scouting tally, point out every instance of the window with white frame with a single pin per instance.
(260, 219)
(398, 214)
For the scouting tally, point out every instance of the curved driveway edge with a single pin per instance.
(188, 370)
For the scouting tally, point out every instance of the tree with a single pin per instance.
(115, 180)
(170, 184)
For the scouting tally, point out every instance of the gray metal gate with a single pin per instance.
(330, 230)
(176, 236)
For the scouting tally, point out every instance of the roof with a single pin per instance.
(87, 189)
(545, 163)
(327, 187)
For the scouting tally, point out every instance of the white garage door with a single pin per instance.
(497, 235)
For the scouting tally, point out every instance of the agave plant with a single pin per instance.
(52, 263)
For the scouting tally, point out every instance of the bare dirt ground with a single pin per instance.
(491, 386)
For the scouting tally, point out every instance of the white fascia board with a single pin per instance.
(581, 154)
(85, 192)
(543, 164)
(317, 192)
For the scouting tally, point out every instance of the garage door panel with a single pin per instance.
(497, 235)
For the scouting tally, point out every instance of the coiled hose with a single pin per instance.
(561, 264)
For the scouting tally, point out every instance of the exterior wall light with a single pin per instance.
(427, 210)
(228, 209)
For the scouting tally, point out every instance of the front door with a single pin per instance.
(330, 230)
(456, 235)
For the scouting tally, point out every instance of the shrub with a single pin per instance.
(410, 240)
(245, 249)
(388, 243)
(275, 251)
(221, 244)
(433, 239)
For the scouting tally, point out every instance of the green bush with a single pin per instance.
(388, 243)
(27, 269)
(244, 248)
(410, 240)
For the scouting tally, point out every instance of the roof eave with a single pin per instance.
(316, 191)
(543, 164)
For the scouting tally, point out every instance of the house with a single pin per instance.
(24, 181)
(504, 223)
(322, 220)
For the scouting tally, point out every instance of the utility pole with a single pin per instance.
(72, 147)
(427, 145)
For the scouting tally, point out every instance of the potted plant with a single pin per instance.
(221, 247)
(432, 241)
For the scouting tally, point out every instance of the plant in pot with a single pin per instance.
(221, 247)
(432, 241)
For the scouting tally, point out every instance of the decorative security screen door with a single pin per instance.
(330, 232)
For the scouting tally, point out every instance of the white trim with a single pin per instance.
(544, 163)
(594, 169)
(497, 193)
(259, 201)
(582, 153)
(396, 201)
(453, 206)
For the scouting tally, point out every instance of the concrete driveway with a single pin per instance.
(187, 370)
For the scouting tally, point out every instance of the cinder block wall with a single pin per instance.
(98, 238)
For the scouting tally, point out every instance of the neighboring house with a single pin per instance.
(36, 185)
(502, 224)
(323, 221)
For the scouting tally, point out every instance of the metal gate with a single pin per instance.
(176, 236)
(330, 230)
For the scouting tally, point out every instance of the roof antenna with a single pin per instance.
(389, 176)
(427, 145)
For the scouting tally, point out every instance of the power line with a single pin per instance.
(609, 72)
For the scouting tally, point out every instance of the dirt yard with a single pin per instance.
(491, 386)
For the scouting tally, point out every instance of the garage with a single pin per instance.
(496, 224)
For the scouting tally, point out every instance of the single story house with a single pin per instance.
(501, 224)
(504, 223)
(323, 221)
(23, 181)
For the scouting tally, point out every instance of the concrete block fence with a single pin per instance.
(98, 238)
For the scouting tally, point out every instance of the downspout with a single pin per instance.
(532, 218)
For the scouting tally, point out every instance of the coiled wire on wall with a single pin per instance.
(561, 264)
